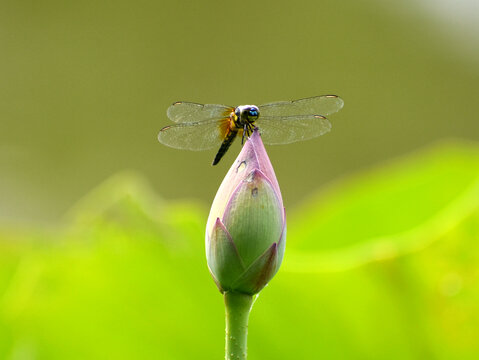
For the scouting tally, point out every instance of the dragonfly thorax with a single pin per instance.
(245, 115)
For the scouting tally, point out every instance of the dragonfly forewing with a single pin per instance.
(188, 112)
(318, 105)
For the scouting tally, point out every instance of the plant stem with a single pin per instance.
(238, 307)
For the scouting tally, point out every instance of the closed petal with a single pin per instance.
(222, 256)
(252, 156)
(254, 216)
(259, 273)
(281, 244)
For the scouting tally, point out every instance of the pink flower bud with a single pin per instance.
(246, 229)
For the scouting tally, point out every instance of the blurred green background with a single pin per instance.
(101, 226)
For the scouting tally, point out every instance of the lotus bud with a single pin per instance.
(246, 229)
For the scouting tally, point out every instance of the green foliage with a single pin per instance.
(383, 265)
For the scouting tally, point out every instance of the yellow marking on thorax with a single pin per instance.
(228, 123)
(233, 120)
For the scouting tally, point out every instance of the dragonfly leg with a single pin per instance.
(245, 131)
(249, 129)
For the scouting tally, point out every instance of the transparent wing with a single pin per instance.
(320, 105)
(195, 136)
(185, 112)
(287, 129)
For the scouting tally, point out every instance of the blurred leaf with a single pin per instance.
(121, 280)
(125, 275)
(385, 212)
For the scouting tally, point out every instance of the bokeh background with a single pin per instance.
(101, 226)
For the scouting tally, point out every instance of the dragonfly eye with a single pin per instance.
(253, 113)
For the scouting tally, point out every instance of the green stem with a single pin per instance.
(238, 307)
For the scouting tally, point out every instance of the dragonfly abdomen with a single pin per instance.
(225, 145)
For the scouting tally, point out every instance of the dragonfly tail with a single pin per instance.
(225, 146)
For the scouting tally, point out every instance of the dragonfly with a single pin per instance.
(205, 126)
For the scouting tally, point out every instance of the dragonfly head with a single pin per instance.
(249, 113)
